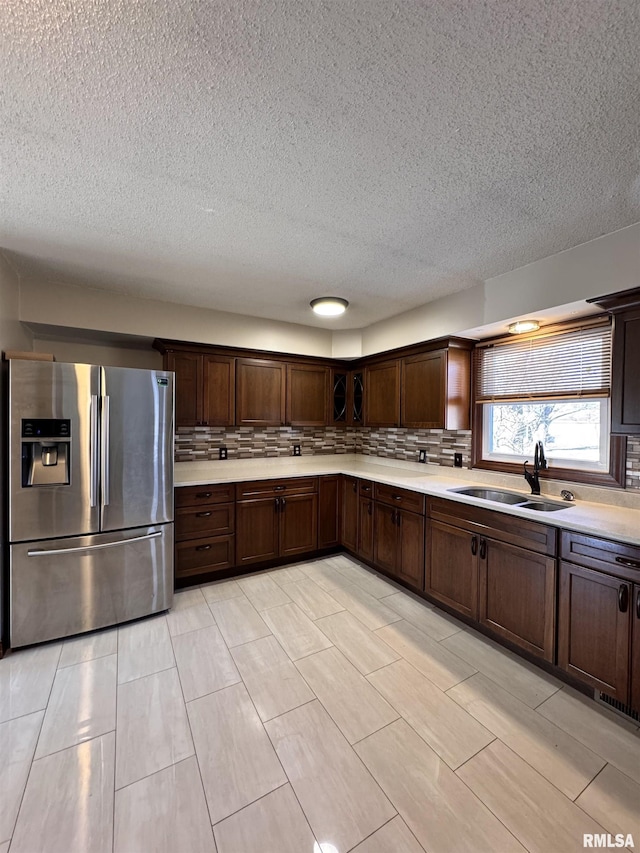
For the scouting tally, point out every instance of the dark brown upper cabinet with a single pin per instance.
(260, 392)
(204, 388)
(435, 390)
(382, 397)
(307, 395)
(625, 376)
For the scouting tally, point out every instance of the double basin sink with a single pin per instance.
(512, 499)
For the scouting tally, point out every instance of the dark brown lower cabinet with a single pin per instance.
(399, 544)
(516, 595)
(298, 523)
(495, 569)
(329, 505)
(594, 628)
(269, 528)
(365, 528)
(350, 513)
(451, 567)
(257, 530)
(635, 650)
(204, 530)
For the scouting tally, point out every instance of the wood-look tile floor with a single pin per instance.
(317, 708)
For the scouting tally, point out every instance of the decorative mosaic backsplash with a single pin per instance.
(633, 463)
(398, 443)
(202, 443)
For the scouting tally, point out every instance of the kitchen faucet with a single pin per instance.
(539, 463)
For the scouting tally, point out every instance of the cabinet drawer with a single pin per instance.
(207, 520)
(593, 553)
(205, 555)
(401, 498)
(276, 488)
(497, 525)
(197, 495)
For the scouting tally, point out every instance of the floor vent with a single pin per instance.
(627, 710)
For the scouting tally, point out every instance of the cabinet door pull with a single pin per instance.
(393, 516)
(203, 495)
(279, 488)
(474, 545)
(283, 503)
(276, 504)
(483, 548)
(370, 508)
(203, 547)
(638, 604)
(355, 487)
(626, 561)
(397, 497)
(366, 488)
(203, 514)
(623, 598)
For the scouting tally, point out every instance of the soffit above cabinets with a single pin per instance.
(250, 157)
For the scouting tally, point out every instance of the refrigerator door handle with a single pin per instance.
(42, 553)
(105, 451)
(94, 451)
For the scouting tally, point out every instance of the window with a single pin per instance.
(551, 387)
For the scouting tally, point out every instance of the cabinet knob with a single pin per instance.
(623, 598)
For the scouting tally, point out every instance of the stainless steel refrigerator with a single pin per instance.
(90, 497)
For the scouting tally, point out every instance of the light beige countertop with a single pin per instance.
(611, 513)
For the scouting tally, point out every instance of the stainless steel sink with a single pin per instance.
(544, 506)
(511, 498)
(498, 495)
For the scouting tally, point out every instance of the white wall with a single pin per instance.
(12, 334)
(605, 265)
(83, 308)
(111, 355)
(566, 279)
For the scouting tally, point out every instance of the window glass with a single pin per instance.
(574, 432)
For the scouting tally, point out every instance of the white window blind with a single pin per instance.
(564, 364)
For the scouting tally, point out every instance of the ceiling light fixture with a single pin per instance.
(522, 326)
(329, 306)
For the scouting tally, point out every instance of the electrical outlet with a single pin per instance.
(297, 450)
(457, 460)
(422, 456)
(222, 453)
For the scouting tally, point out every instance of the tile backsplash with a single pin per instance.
(202, 443)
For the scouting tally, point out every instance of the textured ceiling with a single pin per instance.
(249, 156)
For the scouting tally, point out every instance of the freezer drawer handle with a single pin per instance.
(43, 553)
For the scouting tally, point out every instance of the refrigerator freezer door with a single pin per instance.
(67, 586)
(41, 392)
(137, 447)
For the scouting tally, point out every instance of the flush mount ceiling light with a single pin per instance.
(522, 326)
(329, 306)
